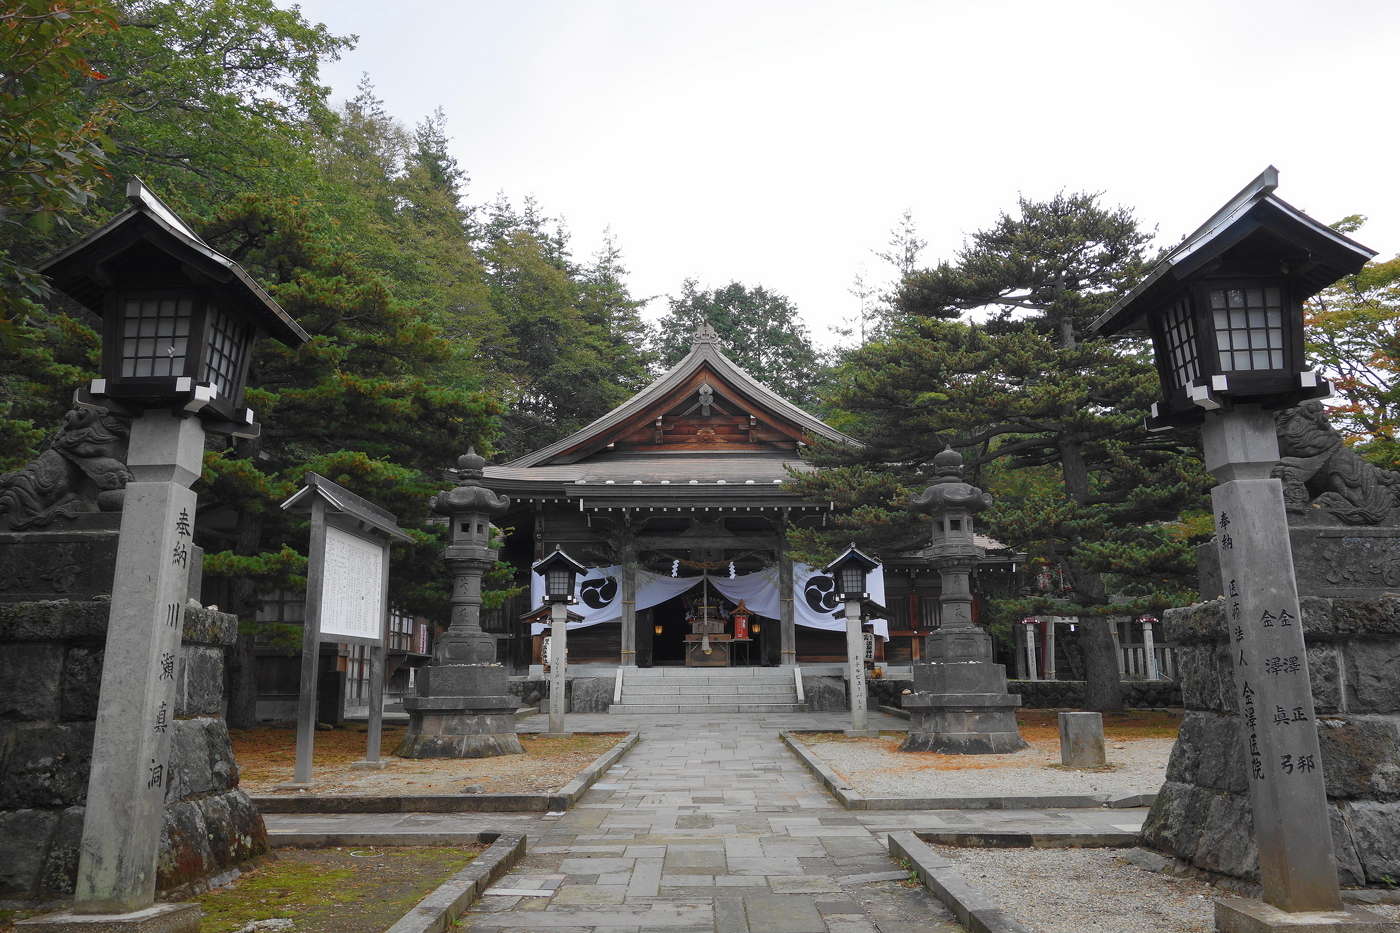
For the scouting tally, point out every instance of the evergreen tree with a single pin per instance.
(989, 354)
(1353, 334)
(760, 330)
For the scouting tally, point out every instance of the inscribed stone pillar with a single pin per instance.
(1050, 648)
(1297, 865)
(136, 706)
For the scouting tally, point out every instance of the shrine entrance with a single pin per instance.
(668, 646)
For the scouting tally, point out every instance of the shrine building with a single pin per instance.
(676, 502)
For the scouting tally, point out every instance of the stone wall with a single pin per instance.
(1202, 814)
(585, 694)
(828, 694)
(50, 675)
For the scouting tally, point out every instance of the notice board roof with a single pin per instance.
(344, 502)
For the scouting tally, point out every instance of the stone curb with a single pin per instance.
(898, 711)
(440, 909)
(977, 912)
(563, 799)
(852, 799)
(1010, 839)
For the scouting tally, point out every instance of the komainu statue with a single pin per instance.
(1324, 481)
(83, 469)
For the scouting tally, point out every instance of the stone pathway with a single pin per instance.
(711, 824)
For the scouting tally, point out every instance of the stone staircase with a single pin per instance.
(708, 690)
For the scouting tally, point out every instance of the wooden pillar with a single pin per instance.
(787, 623)
(629, 604)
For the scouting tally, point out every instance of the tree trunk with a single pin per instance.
(1103, 685)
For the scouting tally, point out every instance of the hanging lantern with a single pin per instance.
(658, 629)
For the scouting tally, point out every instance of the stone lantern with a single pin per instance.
(959, 704)
(849, 572)
(1224, 309)
(179, 320)
(463, 708)
(561, 573)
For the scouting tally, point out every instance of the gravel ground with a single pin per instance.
(1092, 891)
(547, 765)
(876, 768)
(1085, 891)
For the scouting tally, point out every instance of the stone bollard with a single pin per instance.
(1081, 740)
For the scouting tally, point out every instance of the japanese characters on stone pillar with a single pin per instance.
(131, 748)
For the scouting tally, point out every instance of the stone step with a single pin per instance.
(622, 709)
(686, 687)
(740, 671)
(713, 699)
(704, 675)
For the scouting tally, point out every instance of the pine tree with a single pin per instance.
(989, 354)
(760, 330)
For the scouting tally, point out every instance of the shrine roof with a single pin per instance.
(703, 364)
(678, 475)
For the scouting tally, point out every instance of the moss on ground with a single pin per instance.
(338, 890)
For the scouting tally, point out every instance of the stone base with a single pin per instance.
(963, 724)
(964, 743)
(862, 733)
(435, 730)
(158, 918)
(1245, 915)
(294, 785)
(556, 735)
(364, 764)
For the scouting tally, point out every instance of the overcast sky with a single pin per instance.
(778, 142)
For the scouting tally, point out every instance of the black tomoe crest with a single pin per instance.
(820, 593)
(599, 592)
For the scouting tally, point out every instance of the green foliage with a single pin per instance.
(758, 329)
(1353, 334)
(51, 140)
(989, 354)
(431, 329)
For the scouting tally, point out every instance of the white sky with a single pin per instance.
(778, 142)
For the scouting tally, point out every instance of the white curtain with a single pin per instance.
(599, 595)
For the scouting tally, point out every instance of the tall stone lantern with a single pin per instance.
(463, 708)
(1224, 311)
(959, 704)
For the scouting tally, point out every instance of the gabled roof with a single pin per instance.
(704, 354)
(1324, 255)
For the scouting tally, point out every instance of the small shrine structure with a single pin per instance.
(675, 501)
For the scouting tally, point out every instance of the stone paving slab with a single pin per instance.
(713, 825)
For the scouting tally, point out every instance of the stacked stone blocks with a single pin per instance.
(50, 672)
(1202, 814)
